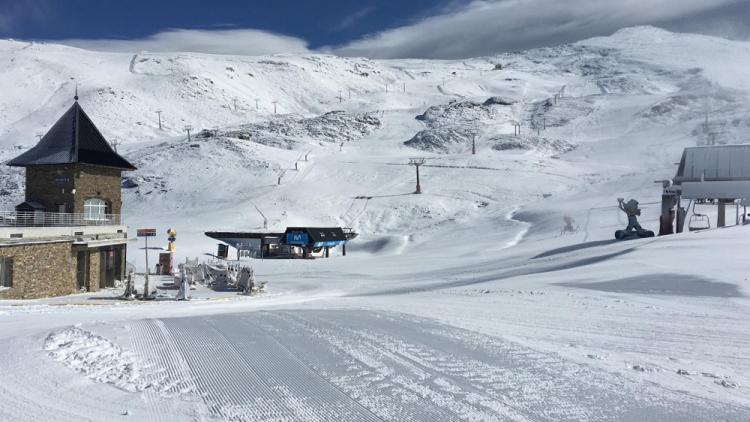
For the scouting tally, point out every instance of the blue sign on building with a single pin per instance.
(327, 243)
(296, 238)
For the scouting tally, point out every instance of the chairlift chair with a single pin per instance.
(698, 221)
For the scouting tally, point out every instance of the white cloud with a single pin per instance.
(355, 17)
(485, 27)
(248, 42)
(477, 28)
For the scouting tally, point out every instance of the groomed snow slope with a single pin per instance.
(463, 303)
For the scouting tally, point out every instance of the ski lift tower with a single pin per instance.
(473, 132)
(416, 162)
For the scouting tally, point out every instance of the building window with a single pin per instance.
(94, 209)
(6, 271)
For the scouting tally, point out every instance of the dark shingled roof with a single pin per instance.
(73, 139)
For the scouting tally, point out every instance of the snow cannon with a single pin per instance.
(634, 229)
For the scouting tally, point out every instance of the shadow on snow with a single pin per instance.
(663, 284)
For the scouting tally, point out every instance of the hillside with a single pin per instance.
(469, 297)
(577, 106)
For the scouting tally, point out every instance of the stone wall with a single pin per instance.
(95, 270)
(41, 270)
(96, 264)
(51, 185)
(97, 182)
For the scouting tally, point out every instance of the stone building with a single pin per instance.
(68, 235)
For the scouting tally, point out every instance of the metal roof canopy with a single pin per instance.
(252, 240)
(246, 240)
(30, 206)
(321, 234)
(242, 235)
(715, 172)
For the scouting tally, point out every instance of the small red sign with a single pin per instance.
(146, 232)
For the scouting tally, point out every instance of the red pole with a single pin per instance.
(473, 145)
(419, 188)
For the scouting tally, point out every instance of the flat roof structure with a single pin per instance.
(245, 240)
(714, 172)
(306, 239)
(714, 163)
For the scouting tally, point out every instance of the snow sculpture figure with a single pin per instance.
(249, 274)
(242, 280)
(129, 293)
(634, 229)
(631, 209)
(184, 292)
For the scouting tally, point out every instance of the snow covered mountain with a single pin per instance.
(467, 302)
(589, 114)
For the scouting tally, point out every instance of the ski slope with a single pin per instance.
(464, 303)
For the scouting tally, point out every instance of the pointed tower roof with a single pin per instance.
(73, 139)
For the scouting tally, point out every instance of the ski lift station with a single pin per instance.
(710, 175)
(295, 242)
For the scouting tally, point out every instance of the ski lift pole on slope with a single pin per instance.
(416, 162)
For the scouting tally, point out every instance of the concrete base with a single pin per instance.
(24, 233)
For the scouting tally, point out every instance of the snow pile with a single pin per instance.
(100, 359)
(461, 111)
(550, 113)
(451, 127)
(289, 131)
(526, 142)
(442, 140)
(498, 101)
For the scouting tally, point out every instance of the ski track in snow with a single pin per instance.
(332, 365)
(518, 238)
(154, 343)
(31, 393)
(250, 377)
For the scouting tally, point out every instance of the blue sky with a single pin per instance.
(445, 29)
(320, 23)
